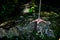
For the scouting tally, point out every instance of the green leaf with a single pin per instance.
(30, 11)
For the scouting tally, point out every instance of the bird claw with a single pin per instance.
(38, 21)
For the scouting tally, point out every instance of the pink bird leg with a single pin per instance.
(38, 21)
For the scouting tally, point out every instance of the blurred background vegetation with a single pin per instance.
(12, 9)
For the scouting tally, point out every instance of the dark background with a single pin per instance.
(17, 10)
(53, 3)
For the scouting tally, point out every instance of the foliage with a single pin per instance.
(13, 11)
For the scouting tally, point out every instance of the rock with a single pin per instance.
(2, 32)
(12, 32)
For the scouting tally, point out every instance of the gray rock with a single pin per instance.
(12, 32)
(2, 32)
